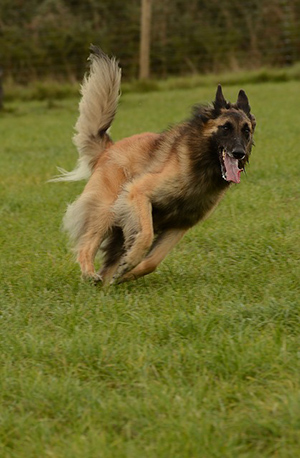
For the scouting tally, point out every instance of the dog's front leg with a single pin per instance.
(135, 216)
(159, 250)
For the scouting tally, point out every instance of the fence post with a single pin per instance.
(288, 45)
(1, 89)
(145, 39)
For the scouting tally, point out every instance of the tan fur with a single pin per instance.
(120, 192)
(144, 191)
(156, 255)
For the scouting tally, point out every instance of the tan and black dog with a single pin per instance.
(144, 192)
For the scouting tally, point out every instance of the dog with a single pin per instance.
(144, 192)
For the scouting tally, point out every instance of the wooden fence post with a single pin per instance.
(1, 89)
(145, 39)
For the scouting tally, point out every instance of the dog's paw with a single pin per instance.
(94, 278)
(123, 268)
(116, 279)
(97, 279)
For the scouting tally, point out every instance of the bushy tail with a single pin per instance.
(100, 94)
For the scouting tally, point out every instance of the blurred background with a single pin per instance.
(42, 39)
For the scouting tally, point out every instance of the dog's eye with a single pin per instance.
(246, 130)
(226, 127)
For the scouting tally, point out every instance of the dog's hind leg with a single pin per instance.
(164, 243)
(90, 218)
(88, 221)
(97, 226)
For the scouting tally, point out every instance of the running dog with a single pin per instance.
(144, 192)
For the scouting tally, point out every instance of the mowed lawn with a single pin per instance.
(199, 359)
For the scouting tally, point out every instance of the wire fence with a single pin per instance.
(50, 38)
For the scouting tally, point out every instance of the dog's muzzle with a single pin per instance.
(230, 164)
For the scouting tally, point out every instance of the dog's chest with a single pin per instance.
(182, 212)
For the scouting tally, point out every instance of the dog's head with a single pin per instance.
(230, 129)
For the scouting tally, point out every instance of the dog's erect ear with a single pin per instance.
(243, 102)
(220, 101)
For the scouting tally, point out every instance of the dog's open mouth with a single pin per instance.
(230, 167)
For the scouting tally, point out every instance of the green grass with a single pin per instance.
(201, 358)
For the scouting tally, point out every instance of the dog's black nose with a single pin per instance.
(238, 154)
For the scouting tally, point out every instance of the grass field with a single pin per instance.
(199, 359)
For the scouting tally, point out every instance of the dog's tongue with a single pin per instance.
(232, 169)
